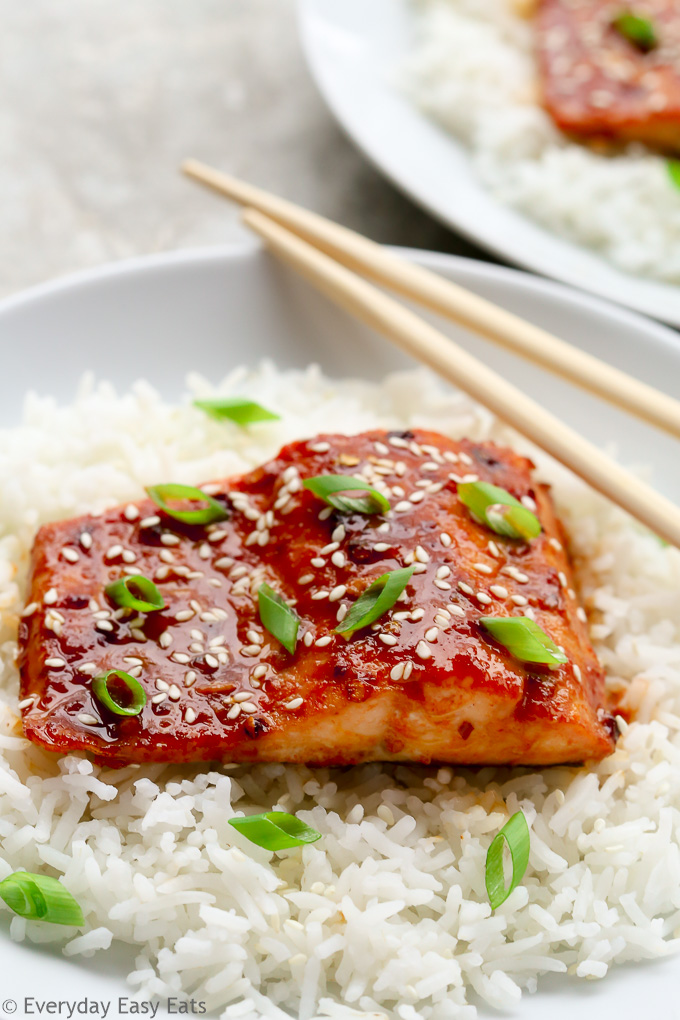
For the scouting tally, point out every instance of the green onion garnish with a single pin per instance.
(376, 600)
(214, 511)
(236, 409)
(275, 830)
(136, 592)
(119, 692)
(40, 898)
(277, 617)
(524, 639)
(500, 511)
(637, 29)
(333, 490)
(673, 167)
(515, 833)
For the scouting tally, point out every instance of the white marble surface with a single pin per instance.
(103, 98)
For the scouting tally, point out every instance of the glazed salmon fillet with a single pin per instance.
(596, 82)
(426, 682)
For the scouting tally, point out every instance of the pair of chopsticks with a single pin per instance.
(329, 256)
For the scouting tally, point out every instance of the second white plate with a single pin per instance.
(353, 49)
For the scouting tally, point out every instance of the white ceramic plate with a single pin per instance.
(353, 49)
(162, 316)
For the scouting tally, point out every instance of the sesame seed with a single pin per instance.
(337, 592)
(129, 556)
(432, 634)
(166, 556)
(113, 552)
(295, 703)
(184, 615)
(234, 712)
(236, 573)
(482, 568)
(102, 614)
(242, 696)
(158, 699)
(318, 595)
(71, 555)
(190, 678)
(131, 512)
(168, 539)
(259, 671)
(419, 568)
(402, 506)
(306, 579)
(421, 555)
(457, 610)
(581, 614)
(150, 522)
(499, 591)
(562, 578)
(88, 668)
(397, 672)
(383, 528)
(443, 572)
(483, 598)
(422, 651)
(247, 650)
(387, 639)
(338, 534)
(529, 503)
(103, 625)
(519, 600)
(308, 638)
(165, 640)
(162, 685)
(399, 443)
(577, 672)
(137, 634)
(190, 716)
(204, 551)
(87, 720)
(323, 641)
(381, 546)
(417, 497)
(324, 514)
(442, 621)
(174, 692)
(417, 614)
(31, 608)
(466, 588)
(318, 562)
(555, 543)
(217, 536)
(341, 613)
(442, 585)
(25, 703)
(338, 559)
(51, 597)
(55, 663)
(212, 661)
(445, 539)
(331, 547)
(249, 708)
(224, 563)
(518, 575)
(320, 447)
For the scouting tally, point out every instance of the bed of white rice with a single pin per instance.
(473, 70)
(387, 913)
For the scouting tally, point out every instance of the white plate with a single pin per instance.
(353, 49)
(161, 316)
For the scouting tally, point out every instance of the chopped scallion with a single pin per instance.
(213, 511)
(40, 898)
(374, 602)
(136, 592)
(277, 617)
(637, 29)
(498, 510)
(240, 410)
(275, 830)
(515, 833)
(524, 639)
(119, 692)
(673, 167)
(334, 490)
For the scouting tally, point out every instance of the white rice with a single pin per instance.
(473, 70)
(387, 914)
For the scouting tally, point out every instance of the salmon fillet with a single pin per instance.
(596, 83)
(424, 683)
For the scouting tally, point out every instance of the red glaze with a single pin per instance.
(470, 701)
(598, 84)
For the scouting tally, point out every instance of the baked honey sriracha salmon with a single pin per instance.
(235, 632)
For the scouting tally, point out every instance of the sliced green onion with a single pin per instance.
(40, 898)
(119, 692)
(673, 167)
(524, 639)
(333, 490)
(136, 592)
(515, 833)
(275, 830)
(237, 409)
(376, 600)
(277, 617)
(637, 29)
(214, 511)
(488, 504)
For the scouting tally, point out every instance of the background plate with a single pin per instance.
(353, 49)
(162, 316)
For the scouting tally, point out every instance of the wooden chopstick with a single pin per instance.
(451, 300)
(418, 338)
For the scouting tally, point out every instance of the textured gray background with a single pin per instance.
(103, 98)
